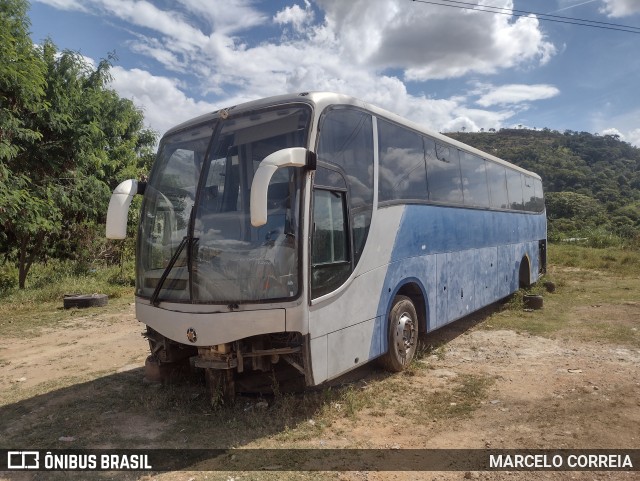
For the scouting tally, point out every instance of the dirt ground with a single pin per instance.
(542, 393)
(83, 346)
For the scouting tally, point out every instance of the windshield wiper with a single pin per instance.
(165, 273)
(186, 240)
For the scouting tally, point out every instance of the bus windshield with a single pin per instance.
(196, 240)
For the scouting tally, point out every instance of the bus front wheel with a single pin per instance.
(402, 335)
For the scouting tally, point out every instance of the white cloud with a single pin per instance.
(613, 131)
(145, 14)
(620, 8)
(433, 42)
(516, 93)
(485, 119)
(457, 44)
(634, 137)
(625, 124)
(64, 4)
(461, 124)
(299, 18)
(370, 34)
(163, 102)
(350, 47)
(227, 17)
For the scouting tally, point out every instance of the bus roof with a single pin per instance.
(320, 100)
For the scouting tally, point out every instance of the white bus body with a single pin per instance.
(318, 232)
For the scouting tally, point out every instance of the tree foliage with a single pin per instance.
(22, 79)
(67, 140)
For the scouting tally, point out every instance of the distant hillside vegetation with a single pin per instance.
(592, 182)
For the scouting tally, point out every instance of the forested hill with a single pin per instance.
(592, 182)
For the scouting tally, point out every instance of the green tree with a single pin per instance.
(22, 81)
(57, 188)
(578, 207)
(22, 84)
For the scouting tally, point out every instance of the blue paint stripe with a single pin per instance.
(433, 230)
(465, 259)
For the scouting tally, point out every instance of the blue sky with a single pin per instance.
(446, 68)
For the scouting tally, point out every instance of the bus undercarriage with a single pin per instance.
(257, 364)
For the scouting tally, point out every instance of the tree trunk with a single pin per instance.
(26, 260)
(22, 270)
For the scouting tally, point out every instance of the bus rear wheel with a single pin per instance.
(403, 335)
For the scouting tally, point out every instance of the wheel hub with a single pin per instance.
(405, 330)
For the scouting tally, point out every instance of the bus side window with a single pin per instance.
(443, 173)
(330, 260)
(537, 186)
(528, 193)
(474, 180)
(402, 171)
(497, 177)
(514, 188)
(346, 140)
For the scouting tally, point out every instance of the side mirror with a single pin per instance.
(118, 211)
(292, 157)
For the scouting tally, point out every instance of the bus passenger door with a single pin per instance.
(330, 244)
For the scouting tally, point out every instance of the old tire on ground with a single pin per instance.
(84, 300)
(402, 335)
(532, 302)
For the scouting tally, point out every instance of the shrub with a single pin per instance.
(8, 277)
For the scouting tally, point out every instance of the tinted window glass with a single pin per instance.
(537, 186)
(330, 246)
(528, 193)
(329, 235)
(402, 171)
(514, 188)
(443, 173)
(497, 177)
(360, 222)
(474, 180)
(346, 139)
(329, 178)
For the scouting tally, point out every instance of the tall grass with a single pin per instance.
(51, 281)
(599, 237)
(40, 304)
(618, 260)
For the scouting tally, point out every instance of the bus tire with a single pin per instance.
(402, 335)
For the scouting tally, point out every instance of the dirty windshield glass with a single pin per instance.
(225, 260)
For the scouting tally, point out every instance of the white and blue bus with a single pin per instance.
(318, 232)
